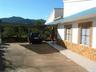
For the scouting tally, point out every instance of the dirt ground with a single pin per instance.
(24, 57)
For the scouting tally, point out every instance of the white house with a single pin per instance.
(76, 27)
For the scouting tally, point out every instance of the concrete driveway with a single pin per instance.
(23, 57)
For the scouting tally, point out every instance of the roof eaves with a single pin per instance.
(82, 15)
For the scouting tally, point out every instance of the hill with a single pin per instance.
(17, 20)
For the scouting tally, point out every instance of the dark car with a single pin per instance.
(35, 38)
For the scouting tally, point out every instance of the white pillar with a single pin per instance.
(94, 34)
(75, 33)
(60, 31)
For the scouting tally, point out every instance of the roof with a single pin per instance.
(90, 13)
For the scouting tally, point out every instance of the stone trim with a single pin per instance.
(88, 52)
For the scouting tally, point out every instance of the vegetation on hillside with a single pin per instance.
(19, 32)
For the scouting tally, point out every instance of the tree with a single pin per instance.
(39, 23)
(0, 21)
(19, 31)
(8, 31)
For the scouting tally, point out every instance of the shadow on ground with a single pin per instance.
(4, 63)
(40, 48)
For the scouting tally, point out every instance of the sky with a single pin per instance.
(33, 9)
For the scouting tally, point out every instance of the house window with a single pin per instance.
(68, 32)
(85, 33)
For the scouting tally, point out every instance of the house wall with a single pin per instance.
(87, 51)
(75, 6)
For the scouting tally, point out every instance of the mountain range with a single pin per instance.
(17, 20)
